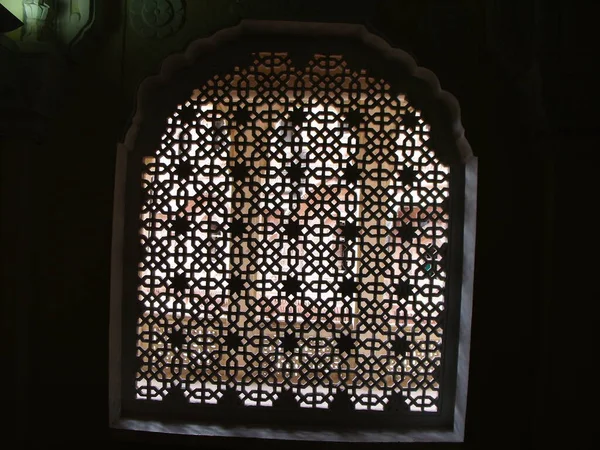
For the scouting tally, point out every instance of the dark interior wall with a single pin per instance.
(518, 71)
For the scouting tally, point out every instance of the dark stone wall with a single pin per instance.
(521, 73)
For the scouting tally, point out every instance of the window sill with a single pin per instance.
(136, 429)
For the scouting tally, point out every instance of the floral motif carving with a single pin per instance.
(156, 18)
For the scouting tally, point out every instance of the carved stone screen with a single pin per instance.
(294, 228)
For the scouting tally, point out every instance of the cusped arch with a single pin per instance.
(181, 73)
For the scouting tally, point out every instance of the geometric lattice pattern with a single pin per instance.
(293, 229)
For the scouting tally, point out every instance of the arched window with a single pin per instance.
(294, 237)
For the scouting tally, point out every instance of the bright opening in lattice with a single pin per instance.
(294, 232)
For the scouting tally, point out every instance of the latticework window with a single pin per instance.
(295, 251)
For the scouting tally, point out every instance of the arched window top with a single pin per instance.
(362, 50)
(294, 232)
